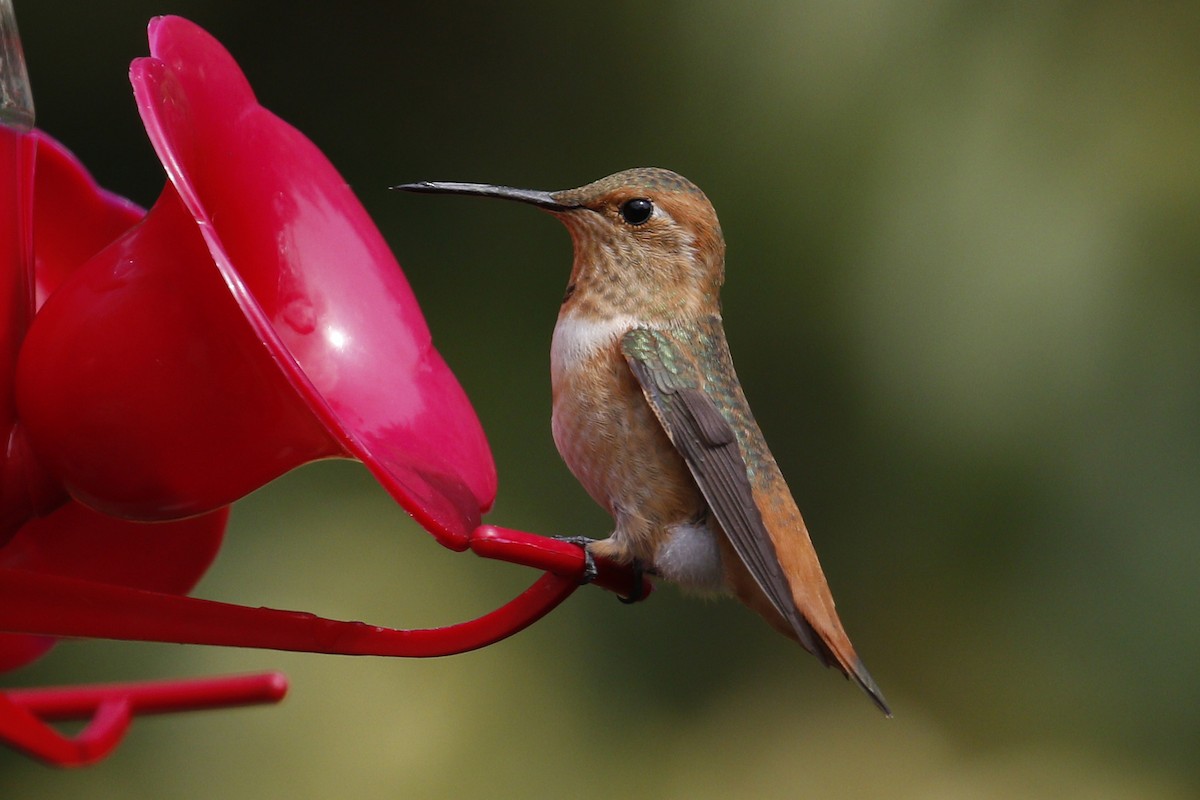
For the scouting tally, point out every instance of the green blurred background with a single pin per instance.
(964, 299)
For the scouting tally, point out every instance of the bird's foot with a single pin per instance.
(589, 561)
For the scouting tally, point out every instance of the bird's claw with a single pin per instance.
(639, 594)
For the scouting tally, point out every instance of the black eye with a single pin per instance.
(637, 210)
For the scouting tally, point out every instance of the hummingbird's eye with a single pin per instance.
(637, 210)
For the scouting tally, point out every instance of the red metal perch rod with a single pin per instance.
(37, 603)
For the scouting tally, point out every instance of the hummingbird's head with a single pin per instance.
(648, 237)
(647, 240)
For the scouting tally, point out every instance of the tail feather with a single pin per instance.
(847, 661)
(864, 679)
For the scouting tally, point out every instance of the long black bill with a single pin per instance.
(532, 196)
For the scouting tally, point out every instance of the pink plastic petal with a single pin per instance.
(73, 217)
(315, 279)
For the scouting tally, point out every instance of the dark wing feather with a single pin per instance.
(673, 385)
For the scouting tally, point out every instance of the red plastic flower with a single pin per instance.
(252, 321)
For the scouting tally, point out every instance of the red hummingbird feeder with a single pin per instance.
(157, 366)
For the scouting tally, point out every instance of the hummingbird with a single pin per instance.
(649, 414)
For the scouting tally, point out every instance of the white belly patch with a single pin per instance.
(691, 558)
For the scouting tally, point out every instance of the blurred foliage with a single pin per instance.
(964, 301)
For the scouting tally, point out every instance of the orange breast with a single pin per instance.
(613, 444)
